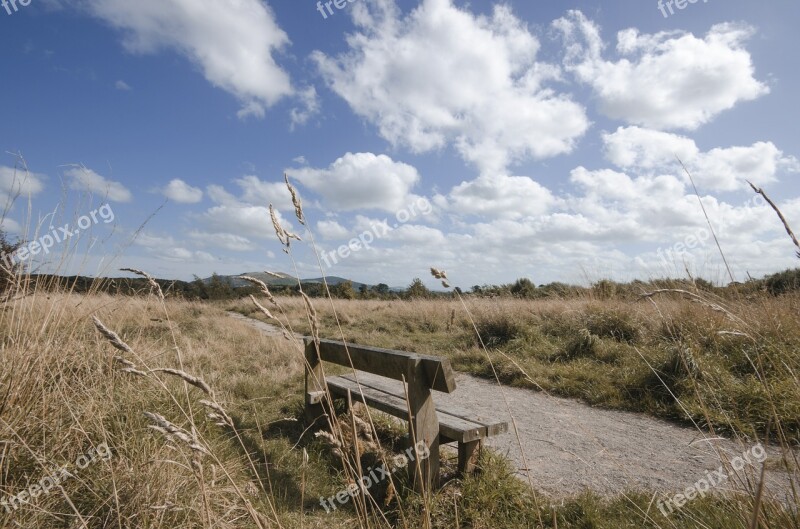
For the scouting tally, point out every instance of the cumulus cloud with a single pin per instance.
(15, 182)
(84, 179)
(646, 148)
(502, 196)
(720, 169)
(10, 225)
(259, 192)
(332, 230)
(361, 181)
(727, 169)
(232, 43)
(228, 241)
(479, 88)
(309, 107)
(179, 191)
(165, 247)
(667, 80)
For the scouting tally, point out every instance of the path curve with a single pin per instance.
(570, 446)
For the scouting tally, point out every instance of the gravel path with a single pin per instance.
(570, 446)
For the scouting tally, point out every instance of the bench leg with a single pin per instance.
(314, 411)
(423, 426)
(468, 456)
(314, 414)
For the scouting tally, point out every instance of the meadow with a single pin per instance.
(198, 416)
(202, 413)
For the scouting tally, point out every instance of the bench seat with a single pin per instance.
(455, 425)
(401, 384)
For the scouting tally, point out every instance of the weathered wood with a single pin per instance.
(492, 426)
(468, 456)
(315, 387)
(423, 425)
(454, 428)
(406, 396)
(436, 373)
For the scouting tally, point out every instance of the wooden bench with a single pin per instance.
(412, 401)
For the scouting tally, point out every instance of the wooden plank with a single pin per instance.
(396, 389)
(451, 427)
(468, 457)
(423, 426)
(438, 374)
(313, 411)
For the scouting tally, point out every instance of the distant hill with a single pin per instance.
(283, 280)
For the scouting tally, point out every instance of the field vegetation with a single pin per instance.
(203, 413)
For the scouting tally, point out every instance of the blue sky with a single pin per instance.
(542, 136)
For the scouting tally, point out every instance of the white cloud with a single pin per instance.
(219, 195)
(166, 248)
(232, 43)
(646, 148)
(502, 196)
(15, 182)
(261, 193)
(179, 191)
(309, 107)
(361, 181)
(122, 85)
(332, 230)
(478, 88)
(720, 169)
(726, 169)
(9, 225)
(84, 179)
(665, 80)
(228, 241)
(242, 220)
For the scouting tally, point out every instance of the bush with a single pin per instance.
(8, 269)
(783, 282)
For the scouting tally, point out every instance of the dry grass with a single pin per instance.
(203, 414)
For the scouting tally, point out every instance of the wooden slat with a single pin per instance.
(388, 363)
(450, 426)
(493, 427)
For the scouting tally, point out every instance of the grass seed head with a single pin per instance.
(111, 336)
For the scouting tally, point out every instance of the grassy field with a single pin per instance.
(243, 459)
(730, 368)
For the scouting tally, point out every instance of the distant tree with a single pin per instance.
(8, 269)
(382, 289)
(219, 288)
(523, 288)
(476, 289)
(783, 282)
(417, 289)
(315, 290)
(197, 289)
(604, 289)
(344, 290)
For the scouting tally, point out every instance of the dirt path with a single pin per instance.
(570, 446)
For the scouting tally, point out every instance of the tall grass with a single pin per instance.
(204, 415)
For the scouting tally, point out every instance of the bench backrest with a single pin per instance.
(437, 372)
